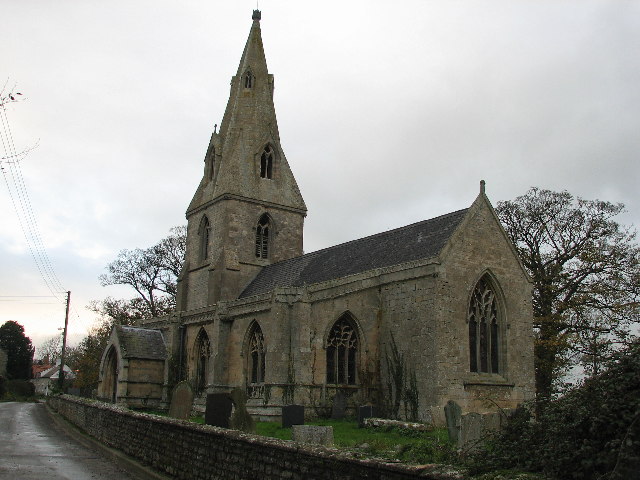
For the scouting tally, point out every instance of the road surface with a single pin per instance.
(33, 447)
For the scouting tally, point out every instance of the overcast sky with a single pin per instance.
(389, 113)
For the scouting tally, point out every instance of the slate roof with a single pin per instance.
(141, 343)
(414, 242)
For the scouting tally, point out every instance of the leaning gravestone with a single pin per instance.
(218, 412)
(339, 405)
(453, 412)
(312, 434)
(181, 401)
(292, 415)
(364, 412)
(240, 418)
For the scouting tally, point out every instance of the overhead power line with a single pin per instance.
(12, 174)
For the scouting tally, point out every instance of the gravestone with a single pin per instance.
(292, 415)
(312, 434)
(181, 401)
(218, 411)
(339, 405)
(366, 411)
(240, 418)
(453, 412)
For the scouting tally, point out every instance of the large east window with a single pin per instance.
(484, 332)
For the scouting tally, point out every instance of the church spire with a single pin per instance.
(247, 211)
(245, 157)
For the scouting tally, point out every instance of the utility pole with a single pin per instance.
(64, 343)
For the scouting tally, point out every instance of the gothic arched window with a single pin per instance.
(204, 232)
(342, 350)
(256, 356)
(201, 353)
(266, 162)
(248, 79)
(484, 342)
(262, 237)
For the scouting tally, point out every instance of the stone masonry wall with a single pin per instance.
(198, 452)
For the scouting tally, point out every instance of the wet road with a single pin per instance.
(33, 447)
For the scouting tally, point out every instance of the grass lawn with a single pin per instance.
(386, 443)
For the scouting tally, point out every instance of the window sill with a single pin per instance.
(486, 380)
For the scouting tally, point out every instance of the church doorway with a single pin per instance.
(111, 375)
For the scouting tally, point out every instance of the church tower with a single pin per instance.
(247, 211)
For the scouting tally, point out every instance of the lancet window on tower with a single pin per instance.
(204, 232)
(202, 353)
(266, 162)
(342, 350)
(248, 79)
(262, 237)
(484, 342)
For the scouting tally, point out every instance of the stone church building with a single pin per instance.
(406, 320)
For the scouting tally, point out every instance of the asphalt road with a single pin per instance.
(33, 447)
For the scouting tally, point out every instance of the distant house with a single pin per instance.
(42, 366)
(44, 380)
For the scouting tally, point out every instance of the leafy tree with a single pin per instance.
(151, 272)
(85, 358)
(585, 270)
(19, 350)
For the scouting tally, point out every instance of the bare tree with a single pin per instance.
(50, 349)
(151, 272)
(584, 266)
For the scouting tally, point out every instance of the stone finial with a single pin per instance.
(482, 184)
(256, 15)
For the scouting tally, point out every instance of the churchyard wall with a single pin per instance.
(198, 452)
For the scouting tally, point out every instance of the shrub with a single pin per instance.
(19, 389)
(581, 435)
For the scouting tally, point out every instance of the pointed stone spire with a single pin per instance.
(234, 161)
(247, 211)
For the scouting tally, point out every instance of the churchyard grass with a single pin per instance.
(386, 443)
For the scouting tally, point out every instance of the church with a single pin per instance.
(404, 320)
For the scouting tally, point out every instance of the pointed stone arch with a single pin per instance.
(200, 357)
(204, 234)
(486, 325)
(255, 354)
(264, 236)
(248, 79)
(343, 348)
(110, 375)
(267, 161)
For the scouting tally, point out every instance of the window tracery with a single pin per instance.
(248, 79)
(202, 353)
(342, 349)
(266, 162)
(484, 354)
(262, 237)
